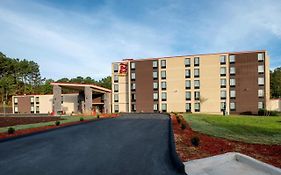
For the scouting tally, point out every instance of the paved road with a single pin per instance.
(132, 144)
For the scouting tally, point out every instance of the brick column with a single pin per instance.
(88, 100)
(57, 99)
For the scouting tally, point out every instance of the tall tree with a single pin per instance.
(275, 83)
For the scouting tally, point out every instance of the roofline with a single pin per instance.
(82, 85)
(193, 55)
(42, 94)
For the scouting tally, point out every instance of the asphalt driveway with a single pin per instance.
(131, 144)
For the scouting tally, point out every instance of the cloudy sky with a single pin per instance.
(70, 38)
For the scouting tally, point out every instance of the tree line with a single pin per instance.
(21, 76)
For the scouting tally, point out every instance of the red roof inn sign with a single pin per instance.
(123, 69)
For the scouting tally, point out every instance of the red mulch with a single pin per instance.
(12, 121)
(210, 146)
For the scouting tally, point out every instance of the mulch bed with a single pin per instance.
(12, 121)
(211, 146)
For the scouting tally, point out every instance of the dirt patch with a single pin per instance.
(210, 146)
(12, 121)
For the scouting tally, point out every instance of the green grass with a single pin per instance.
(67, 119)
(250, 129)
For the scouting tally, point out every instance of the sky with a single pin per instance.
(70, 38)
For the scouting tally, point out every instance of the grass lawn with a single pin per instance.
(250, 129)
(67, 119)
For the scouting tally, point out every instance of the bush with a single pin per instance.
(81, 119)
(178, 119)
(98, 116)
(11, 130)
(183, 126)
(195, 141)
(57, 123)
(265, 112)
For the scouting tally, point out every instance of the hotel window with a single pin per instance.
(60, 101)
(163, 85)
(260, 57)
(163, 63)
(155, 85)
(232, 94)
(133, 76)
(37, 100)
(164, 96)
(115, 87)
(260, 105)
(116, 98)
(261, 81)
(155, 64)
(232, 71)
(115, 67)
(187, 95)
(223, 71)
(223, 94)
(197, 84)
(133, 87)
(32, 109)
(155, 96)
(232, 82)
(155, 75)
(15, 100)
(16, 109)
(196, 61)
(188, 107)
(37, 109)
(116, 108)
(223, 83)
(133, 66)
(197, 107)
(155, 107)
(163, 74)
(133, 108)
(115, 78)
(223, 106)
(133, 97)
(222, 59)
(232, 106)
(261, 93)
(196, 73)
(232, 59)
(261, 68)
(31, 99)
(197, 95)
(187, 73)
(164, 107)
(187, 84)
(187, 62)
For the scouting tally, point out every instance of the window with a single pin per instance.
(164, 96)
(187, 95)
(223, 106)
(261, 81)
(133, 66)
(163, 63)
(163, 85)
(133, 87)
(232, 71)
(223, 94)
(261, 93)
(261, 68)
(16, 100)
(115, 87)
(222, 59)
(223, 71)
(163, 74)
(187, 84)
(232, 106)
(16, 109)
(37, 100)
(196, 61)
(116, 108)
(260, 57)
(196, 84)
(232, 82)
(32, 99)
(197, 107)
(196, 73)
(115, 67)
(232, 94)
(133, 76)
(223, 83)
(187, 62)
(232, 59)
(37, 109)
(197, 95)
(260, 105)
(155, 64)
(188, 107)
(155, 85)
(61, 100)
(187, 73)
(155, 96)
(155, 107)
(155, 75)
(32, 109)
(133, 97)
(133, 108)
(164, 107)
(116, 98)
(115, 78)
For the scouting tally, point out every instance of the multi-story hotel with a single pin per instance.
(237, 82)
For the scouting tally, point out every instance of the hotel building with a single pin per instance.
(237, 82)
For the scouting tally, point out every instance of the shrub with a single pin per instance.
(265, 112)
(178, 120)
(98, 116)
(57, 123)
(81, 119)
(11, 130)
(183, 126)
(195, 141)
